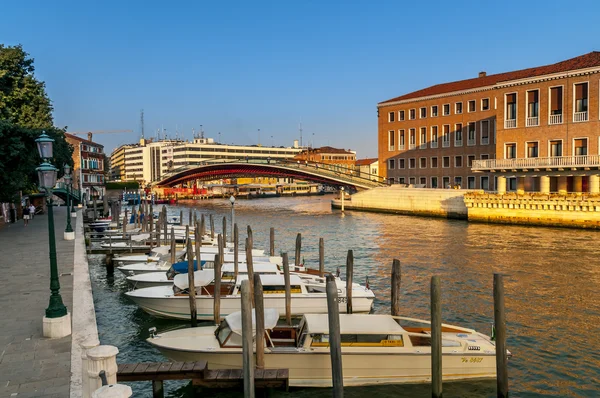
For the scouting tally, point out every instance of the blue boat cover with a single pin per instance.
(182, 266)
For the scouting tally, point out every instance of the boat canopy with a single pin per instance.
(234, 320)
(182, 266)
(272, 280)
(258, 268)
(354, 324)
(202, 277)
(140, 237)
(161, 250)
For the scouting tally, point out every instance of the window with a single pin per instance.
(412, 163)
(510, 151)
(446, 109)
(401, 180)
(445, 182)
(434, 162)
(412, 180)
(485, 104)
(458, 182)
(391, 164)
(446, 162)
(458, 161)
(470, 160)
(434, 182)
(423, 113)
(434, 136)
(556, 148)
(412, 114)
(412, 139)
(423, 181)
(391, 180)
(391, 117)
(423, 163)
(580, 146)
(556, 106)
(484, 183)
(471, 137)
(401, 140)
(458, 108)
(485, 132)
(532, 149)
(400, 163)
(470, 182)
(400, 115)
(434, 111)
(391, 140)
(510, 116)
(423, 138)
(484, 156)
(533, 106)
(458, 134)
(446, 136)
(581, 103)
(471, 106)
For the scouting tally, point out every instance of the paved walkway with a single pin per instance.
(31, 365)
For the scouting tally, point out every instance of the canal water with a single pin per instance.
(552, 279)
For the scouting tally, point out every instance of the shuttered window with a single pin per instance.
(556, 101)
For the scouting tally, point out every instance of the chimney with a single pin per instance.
(89, 136)
(482, 74)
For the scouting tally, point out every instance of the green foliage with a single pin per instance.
(23, 99)
(122, 185)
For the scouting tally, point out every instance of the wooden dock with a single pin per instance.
(201, 376)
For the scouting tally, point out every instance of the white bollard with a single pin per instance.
(113, 391)
(102, 357)
(85, 378)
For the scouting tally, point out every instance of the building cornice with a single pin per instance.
(435, 96)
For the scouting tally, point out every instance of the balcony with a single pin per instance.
(391, 148)
(401, 147)
(423, 146)
(580, 117)
(446, 144)
(457, 142)
(532, 121)
(434, 144)
(555, 119)
(555, 162)
(471, 142)
(412, 146)
(510, 123)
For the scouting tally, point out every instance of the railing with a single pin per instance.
(446, 144)
(485, 140)
(434, 144)
(401, 147)
(457, 142)
(532, 163)
(471, 142)
(532, 121)
(392, 148)
(412, 146)
(580, 117)
(555, 119)
(510, 123)
(423, 146)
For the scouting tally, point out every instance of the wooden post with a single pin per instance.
(272, 242)
(180, 217)
(260, 322)
(165, 224)
(192, 286)
(217, 292)
(110, 266)
(95, 216)
(247, 356)
(396, 279)
(436, 339)
(288, 290)
(335, 343)
(500, 325)
(158, 390)
(212, 227)
(298, 248)
(197, 244)
(173, 249)
(224, 230)
(250, 266)
(221, 246)
(151, 226)
(321, 257)
(190, 217)
(250, 236)
(202, 226)
(125, 225)
(157, 230)
(195, 218)
(134, 214)
(349, 273)
(235, 252)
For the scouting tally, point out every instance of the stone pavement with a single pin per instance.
(31, 365)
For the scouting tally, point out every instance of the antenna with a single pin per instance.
(300, 128)
(142, 121)
(201, 132)
(193, 133)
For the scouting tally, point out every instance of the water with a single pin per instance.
(551, 289)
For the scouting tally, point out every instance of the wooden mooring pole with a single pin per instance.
(272, 241)
(217, 292)
(321, 257)
(235, 252)
(191, 283)
(224, 230)
(247, 346)
(436, 338)
(349, 274)
(250, 266)
(335, 343)
(259, 314)
(288, 292)
(500, 326)
(212, 227)
(396, 280)
(298, 249)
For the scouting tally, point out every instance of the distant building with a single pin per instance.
(88, 170)
(334, 158)
(368, 167)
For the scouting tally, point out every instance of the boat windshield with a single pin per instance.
(223, 332)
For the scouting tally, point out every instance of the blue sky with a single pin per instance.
(236, 67)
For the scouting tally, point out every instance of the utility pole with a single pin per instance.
(300, 128)
(142, 121)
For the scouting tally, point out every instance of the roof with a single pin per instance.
(588, 60)
(71, 136)
(365, 162)
(326, 149)
(355, 324)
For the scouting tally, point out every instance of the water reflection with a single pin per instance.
(551, 284)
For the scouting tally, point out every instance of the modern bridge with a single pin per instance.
(277, 168)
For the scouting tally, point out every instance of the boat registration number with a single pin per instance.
(342, 299)
(471, 360)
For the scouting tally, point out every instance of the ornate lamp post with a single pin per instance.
(57, 322)
(73, 212)
(69, 234)
(232, 200)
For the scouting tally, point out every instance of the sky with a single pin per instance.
(253, 72)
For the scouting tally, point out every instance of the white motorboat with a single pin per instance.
(375, 349)
(307, 296)
(154, 256)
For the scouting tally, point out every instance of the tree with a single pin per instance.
(23, 99)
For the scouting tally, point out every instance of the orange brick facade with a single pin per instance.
(538, 119)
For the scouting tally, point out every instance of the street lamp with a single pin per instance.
(232, 200)
(343, 197)
(69, 234)
(57, 322)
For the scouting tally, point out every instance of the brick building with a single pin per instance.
(334, 158)
(88, 170)
(535, 129)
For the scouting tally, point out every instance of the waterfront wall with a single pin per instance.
(580, 210)
(446, 203)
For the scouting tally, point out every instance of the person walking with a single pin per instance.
(25, 215)
(31, 210)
